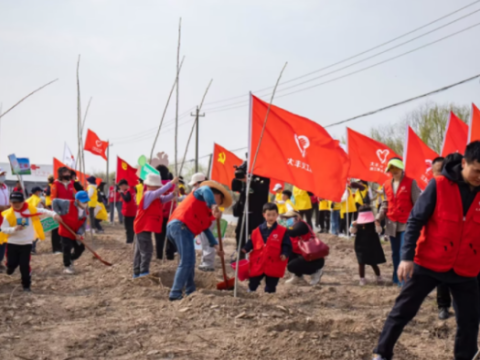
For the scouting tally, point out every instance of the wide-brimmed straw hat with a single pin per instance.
(290, 214)
(227, 197)
(153, 180)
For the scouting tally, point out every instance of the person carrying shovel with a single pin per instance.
(193, 216)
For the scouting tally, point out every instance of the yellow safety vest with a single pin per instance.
(337, 206)
(139, 188)
(380, 197)
(48, 199)
(282, 208)
(351, 205)
(324, 205)
(94, 198)
(102, 212)
(302, 199)
(360, 195)
(9, 216)
(34, 200)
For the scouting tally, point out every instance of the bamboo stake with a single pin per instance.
(177, 87)
(83, 128)
(165, 110)
(26, 97)
(249, 180)
(193, 128)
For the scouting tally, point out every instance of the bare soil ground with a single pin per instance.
(101, 313)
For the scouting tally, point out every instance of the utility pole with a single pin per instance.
(197, 116)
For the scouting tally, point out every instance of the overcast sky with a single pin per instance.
(128, 64)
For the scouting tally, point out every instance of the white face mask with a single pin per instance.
(3, 178)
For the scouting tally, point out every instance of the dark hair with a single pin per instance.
(270, 207)
(122, 182)
(60, 172)
(216, 191)
(164, 172)
(140, 181)
(472, 152)
(287, 192)
(437, 160)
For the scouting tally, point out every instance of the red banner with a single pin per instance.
(368, 158)
(274, 182)
(58, 164)
(127, 172)
(418, 159)
(474, 134)
(95, 145)
(297, 150)
(456, 136)
(223, 162)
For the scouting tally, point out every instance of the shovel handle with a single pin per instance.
(220, 244)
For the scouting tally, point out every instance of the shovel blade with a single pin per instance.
(228, 285)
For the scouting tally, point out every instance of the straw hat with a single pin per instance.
(153, 180)
(227, 198)
(290, 214)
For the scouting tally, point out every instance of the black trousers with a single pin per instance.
(128, 222)
(343, 222)
(324, 220)
(443, 296)
(316, 214)
(466, 299)
(56, 241)
(299, 266)
(19, 255)
(94, 223)
(160, 241)
(68, 245)
(307, 215)
(270, 283)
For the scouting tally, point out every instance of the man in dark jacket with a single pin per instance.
(446, 252)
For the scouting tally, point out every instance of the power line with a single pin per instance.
(356, 55)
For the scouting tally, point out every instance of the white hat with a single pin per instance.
(196, 178)
(153, 180)
(277, 187)
(2, 171)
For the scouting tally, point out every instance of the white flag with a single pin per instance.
(68, 158)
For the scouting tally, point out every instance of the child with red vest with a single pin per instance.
(149, 220)
(192, 217)
(74, 214)
(129, 208)
(442, 245)
(401, 193)
(270, 247)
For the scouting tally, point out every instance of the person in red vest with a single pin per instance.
(62, 188)
(401, 193)
(149, 220)
(129, 208)
(192, 217)
(442, 245)
(270, 247)
(74, 214)
(115, 203)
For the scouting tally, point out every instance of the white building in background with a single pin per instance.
(39, 176)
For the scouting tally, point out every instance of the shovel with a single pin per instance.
(227, 284)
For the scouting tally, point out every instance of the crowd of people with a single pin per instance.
(433, 233)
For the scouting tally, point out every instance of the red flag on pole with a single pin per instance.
(456, 136)
(95, 145)
(275, 182)
(223, 162)
(418, 159)
(296, 150)
(474, 133)
(127, 172)
(58, 164)
(368, 158)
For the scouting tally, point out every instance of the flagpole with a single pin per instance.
(107, 179)
(250, 174)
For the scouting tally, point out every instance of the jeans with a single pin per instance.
(466, 298)
(396, 243)
(118, 205)
(335, 221)
(185, 275)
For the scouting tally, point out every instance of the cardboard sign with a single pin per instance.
(49, 224)
(146, 170)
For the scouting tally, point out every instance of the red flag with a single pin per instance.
(95, 145)
(223, 162)
(456, 136)
(297, 150)
(368, 158)
(274, 182)
(127, 172)
(474, 134)
(58, 164)
(418, 159)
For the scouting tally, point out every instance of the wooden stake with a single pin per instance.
(81, 130)
(177, 87)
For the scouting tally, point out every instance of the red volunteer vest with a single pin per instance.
(130, 208)
(400, 204)
(450, 240)
(195, 214)
(265, 258)
(65, 193)
(149, 220)
(72, 221)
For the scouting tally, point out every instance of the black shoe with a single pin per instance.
(175, 299)
(27, 289)
(443, 313)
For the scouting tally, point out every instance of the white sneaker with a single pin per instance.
(69, 270)
(315, 278)
(363, 282)
(378, 357)
(296, 280)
